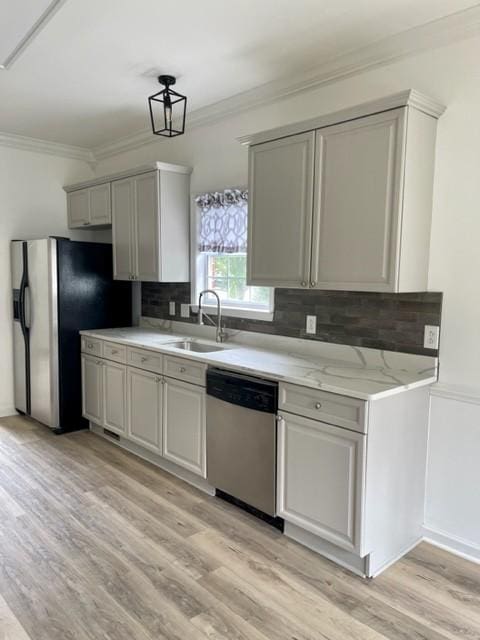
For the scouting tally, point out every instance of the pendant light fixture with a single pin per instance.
(167, 108)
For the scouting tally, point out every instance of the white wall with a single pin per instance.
(32, 205)
(452, 75)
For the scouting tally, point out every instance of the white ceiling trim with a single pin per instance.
(438, 33)
(44, 146)
(33, 32)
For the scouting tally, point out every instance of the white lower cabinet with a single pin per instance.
(92, 389)
(184, 425)
(321, 470)
(145, 394)
(114, 396)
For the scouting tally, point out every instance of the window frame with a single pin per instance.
(198, 278)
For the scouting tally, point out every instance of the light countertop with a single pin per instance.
(367, 374)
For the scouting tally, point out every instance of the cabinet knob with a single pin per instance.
(89, 345)
(86, 224)
(313, 283)
(318, 405)
(144, 358)
(304, 284)
(280, 418)
(99, 362)
(182, 369)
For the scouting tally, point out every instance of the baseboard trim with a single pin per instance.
(6, 412)
(453, 544)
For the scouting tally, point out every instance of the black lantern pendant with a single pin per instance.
(166, 108)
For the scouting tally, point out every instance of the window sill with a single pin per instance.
(236, 312)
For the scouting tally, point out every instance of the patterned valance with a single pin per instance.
(223, 221)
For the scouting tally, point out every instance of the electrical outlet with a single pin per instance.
(431, 336)
(171, 308)
(185, 310)
(311, 324)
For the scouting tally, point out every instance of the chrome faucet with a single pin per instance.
(221, 335)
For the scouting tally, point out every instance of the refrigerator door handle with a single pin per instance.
(27, 309)
(21, 304)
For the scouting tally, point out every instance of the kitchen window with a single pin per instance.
(220, 245)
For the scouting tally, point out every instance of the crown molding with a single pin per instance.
(407, 98)
(44, 146)
(438, 33)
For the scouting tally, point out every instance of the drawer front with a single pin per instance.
(144, 359)
(186, 370)
(91, 346)
(321, 405)
(116, 352)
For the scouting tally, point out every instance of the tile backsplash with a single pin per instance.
(390, 321)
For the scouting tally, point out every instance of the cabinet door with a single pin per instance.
(280, 211)
(321, 479)
(78, 208)
(92, 389)
(114, 396)
(145, 408)
(147, 263)
(358, 178)
(184, 425)
(100, 204)
(122, 228)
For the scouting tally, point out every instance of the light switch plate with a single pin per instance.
(311, 325)
(185, 310)
(171, 308)
(431, 336)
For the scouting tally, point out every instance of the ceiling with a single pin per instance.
(85, 76)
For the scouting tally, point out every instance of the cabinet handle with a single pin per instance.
(144, 359)
(114, 352)
(304, 284)
(86, 224)
(280, 418)
(99, 362)
(182, 369)
(318, 405)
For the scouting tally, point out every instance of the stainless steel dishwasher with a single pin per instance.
(242, 440)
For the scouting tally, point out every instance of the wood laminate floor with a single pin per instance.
(96, 544)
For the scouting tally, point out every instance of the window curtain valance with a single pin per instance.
(223, 221)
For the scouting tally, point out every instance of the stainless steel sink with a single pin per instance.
(198, 347)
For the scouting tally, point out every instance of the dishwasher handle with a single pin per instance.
(243, 390)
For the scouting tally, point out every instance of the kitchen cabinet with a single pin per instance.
(149, 210)
(114, 396)
(344, 201)
(321, 470)
(125, 392)
(184, 425)
(89, 207)
(92, 389)
(151, 227)
(280, 217)
(145, 395)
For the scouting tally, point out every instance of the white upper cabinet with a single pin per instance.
(122, 229)
(357, 212)
(78, 209)
(280, 227)
(89, 207)
(149, 209)
(345, 206)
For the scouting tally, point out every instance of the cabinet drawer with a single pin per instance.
(114, 351)
(91, 346)
(321, 405)
(144, 359)
(185, 370)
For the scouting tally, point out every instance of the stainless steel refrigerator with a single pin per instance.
(59, 287)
